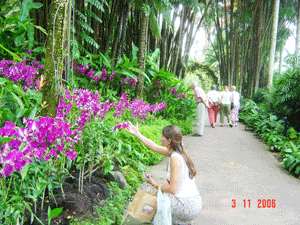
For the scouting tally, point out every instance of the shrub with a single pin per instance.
(286, 97)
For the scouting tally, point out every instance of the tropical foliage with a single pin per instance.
(73, 73)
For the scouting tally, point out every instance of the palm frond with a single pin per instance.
(152, 65)
(106, 62)
(81, 15)
(89, 40)
(154, 26)
(83, 50)
(93, 15)
(153, 57)
(133, 53)
(97, 4)
(85, 26)
(146, 9)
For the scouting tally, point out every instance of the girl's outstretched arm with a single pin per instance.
(146, 141)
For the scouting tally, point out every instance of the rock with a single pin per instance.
(117, 177)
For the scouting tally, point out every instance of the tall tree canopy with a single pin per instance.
(239, 32)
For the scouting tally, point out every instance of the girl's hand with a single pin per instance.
(149, 179)
(134, 130)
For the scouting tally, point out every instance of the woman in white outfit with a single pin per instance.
(236, 103)
(185, 199)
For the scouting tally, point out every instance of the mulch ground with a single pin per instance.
(75, 204)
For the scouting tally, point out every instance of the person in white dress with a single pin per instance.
(236, 103)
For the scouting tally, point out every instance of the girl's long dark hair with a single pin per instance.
(173, 133)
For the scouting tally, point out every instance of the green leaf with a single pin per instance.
(20, 112)
(18, 100)
(24, 171)
(16, 199)
(27, 5)
(134, 51)
(32, 113)
(127, 73)
(86, 26)
(97, 4)
(3, 81)
(105, 60)
(291, 167)
(287, 150)
(298, 170)
(108, 167)
(41, 29)
(81, 15)
(15, 56)
(120, 145)
(5, 139)
(54, 213)
(93, 15)
(288, 162)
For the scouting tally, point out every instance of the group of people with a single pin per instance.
(186, 202)
(226, 102)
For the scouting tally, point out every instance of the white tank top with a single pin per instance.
(187, 186)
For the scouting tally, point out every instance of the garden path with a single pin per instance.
(234, 164)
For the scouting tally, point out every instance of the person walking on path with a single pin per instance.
(236, 103)
(186, 202)
(202, 103)
(214, 105)
(226, 99)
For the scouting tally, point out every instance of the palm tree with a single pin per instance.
(142, 51)
(273, 44)
(147, 10)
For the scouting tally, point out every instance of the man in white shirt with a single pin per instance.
(226, 100)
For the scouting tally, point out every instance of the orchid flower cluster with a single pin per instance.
(173, 90)
(42, 139)
(21, 71)
(91, 74)
(130, 82)
(88, 104)
(138, 108)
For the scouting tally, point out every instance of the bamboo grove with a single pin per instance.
(238, 32)
(242, 41)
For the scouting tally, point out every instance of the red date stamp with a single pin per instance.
(261, 203)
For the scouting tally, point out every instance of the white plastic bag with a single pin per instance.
(163, 214)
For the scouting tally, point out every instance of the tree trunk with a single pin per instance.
(163, 44)
(142, 54)
(79, 5)
(179, 40)
(188, 43)
(110, 24)
(170, 43)
(260, 45)
(53, 60)
(227, 47)
(273, 44)
(118, 32)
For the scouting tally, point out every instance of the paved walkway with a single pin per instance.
(235, 165)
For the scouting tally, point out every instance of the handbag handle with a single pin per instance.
(156, 190)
